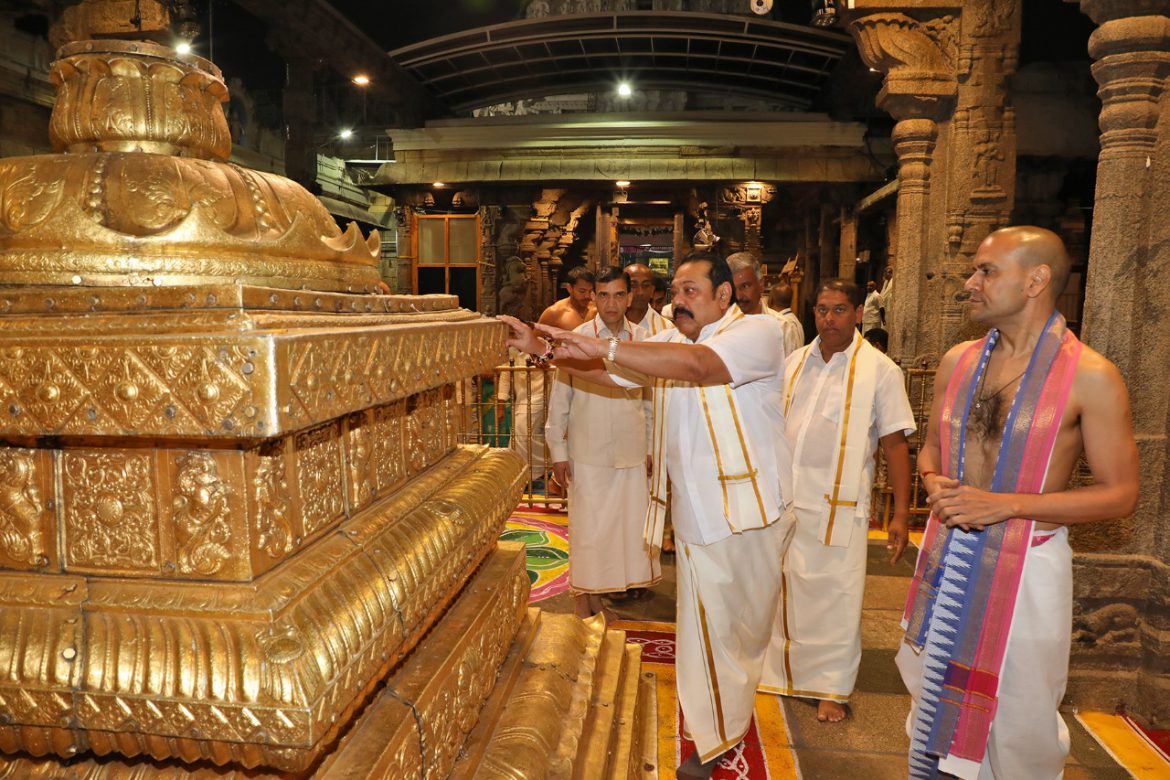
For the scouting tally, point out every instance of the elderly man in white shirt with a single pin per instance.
(749, 295)
(719, 438)
(598, 438)
(842, 398)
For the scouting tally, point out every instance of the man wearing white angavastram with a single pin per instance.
(719, 439)
(598, 438)
(842, 398)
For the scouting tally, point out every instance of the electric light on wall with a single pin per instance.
(624, 89)
(345, 134)
(183, 47)
(362, 80)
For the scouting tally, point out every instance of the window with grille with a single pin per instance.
(447, 257)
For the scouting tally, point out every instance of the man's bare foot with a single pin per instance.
(831, 712)
(691, 769)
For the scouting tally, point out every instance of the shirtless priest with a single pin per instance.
(719, 438)
(842, 399)
(985, 654)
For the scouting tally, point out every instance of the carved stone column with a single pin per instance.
(847, 248)
(1121, 648)
(748, 200)
(946, 72)
(488, 218)
(917, 55)
(300, 113)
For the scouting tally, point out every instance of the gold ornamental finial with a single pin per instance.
(127, 19)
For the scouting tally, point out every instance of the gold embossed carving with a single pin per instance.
(159, 102)
(22, 508)
(273, 510)
(111, 512)
(201, 508)
(319, 476)
(167, 386)
(135, 676)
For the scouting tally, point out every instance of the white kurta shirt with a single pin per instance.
(595, 424)
(748, 348)
(791, 327)
(817, 403)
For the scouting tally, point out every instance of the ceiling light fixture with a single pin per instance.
(345, 134)
(183, 47)
(825, 13)
(438, 185)
(362, 80)
(624, 89)
(623, 184)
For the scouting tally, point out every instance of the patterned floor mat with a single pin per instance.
(547, 537)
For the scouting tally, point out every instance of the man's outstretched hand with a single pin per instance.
(573, 346)
(522, 337)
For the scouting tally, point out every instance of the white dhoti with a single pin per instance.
(607, 511)
(1028, 737)
(529, 413)
(727, 594)
(816, 642)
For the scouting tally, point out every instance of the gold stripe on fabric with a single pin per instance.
(790, 691)
(658, 409)
(718, 460)
(708, 654)
(721, 748)
(751, 472)
(784, 623)
(833, 502)
(792, 382)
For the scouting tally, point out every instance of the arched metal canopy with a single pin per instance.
(557, 55)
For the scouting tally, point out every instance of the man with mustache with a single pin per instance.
(985, 654)
(719, 439)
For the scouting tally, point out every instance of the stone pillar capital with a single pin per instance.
(1132, 65)
(914, 141)
(918, 57)
(1102, 11)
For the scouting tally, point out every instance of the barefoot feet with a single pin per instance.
(831, 711)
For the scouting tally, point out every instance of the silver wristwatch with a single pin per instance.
(611, 353)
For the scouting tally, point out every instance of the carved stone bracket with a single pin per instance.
(919, 59)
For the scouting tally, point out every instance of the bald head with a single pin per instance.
(781, 296)
(1033, 247)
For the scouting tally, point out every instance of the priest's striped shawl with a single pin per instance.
(963, 594)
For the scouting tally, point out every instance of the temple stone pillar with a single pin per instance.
(748, 200)
(300, 115)
(489, 217)
(946, 69)
(1121, 647)
(847, 249)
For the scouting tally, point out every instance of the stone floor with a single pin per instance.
(872, 743)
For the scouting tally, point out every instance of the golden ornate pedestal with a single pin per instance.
(238, 537)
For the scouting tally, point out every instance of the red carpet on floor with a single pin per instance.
(744, 762)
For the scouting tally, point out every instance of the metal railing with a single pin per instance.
(508, 408)
(920, 389)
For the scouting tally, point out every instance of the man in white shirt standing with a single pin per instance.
(872, 316)
(749, 295)
(780, 300)
(842, 398)
(598, 438)
(719, 438)
(641, 313)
